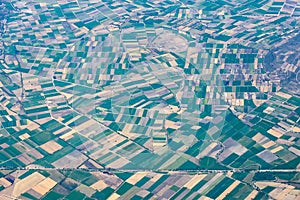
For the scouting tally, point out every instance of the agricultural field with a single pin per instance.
(84, 184)
(139, 99)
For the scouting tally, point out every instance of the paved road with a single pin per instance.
(158, 171)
